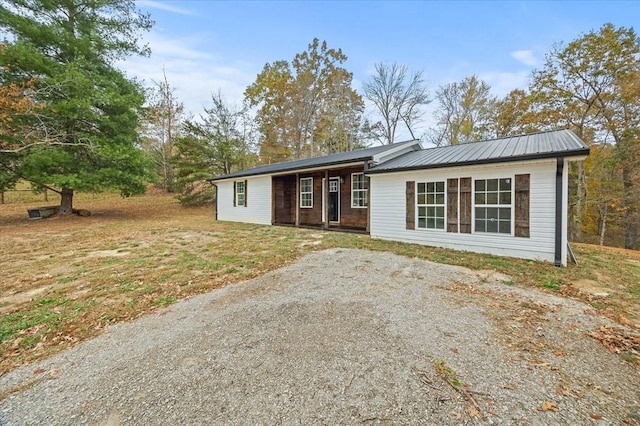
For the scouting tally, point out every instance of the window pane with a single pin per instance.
(439, 198)
(480, 198)
(505, 184)
(505, 198)
(480, 185)
(422, 211)
(440, 186)
(481, 213)
(421, 199)
(431, 223)
(480, 225)
(422, 222)
(492, 213)
(421, 187)
(492, 226)
(439, 223)
(505, 227)
(440, 212)
(505, 214)
(430, 187)
(492, 198)
(492, 184)
(430, 211)
(430, 198)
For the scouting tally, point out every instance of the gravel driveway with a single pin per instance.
(341, 337)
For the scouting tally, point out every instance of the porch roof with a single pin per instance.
(326, 160)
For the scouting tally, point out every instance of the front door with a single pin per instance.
(334, 199)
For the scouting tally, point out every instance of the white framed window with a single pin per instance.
(359, 189)
(492, 205)
(431, 205)
(306, 193)
(240, 193)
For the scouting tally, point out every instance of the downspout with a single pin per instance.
(559, 210)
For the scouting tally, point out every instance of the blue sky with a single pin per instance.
(206, 46)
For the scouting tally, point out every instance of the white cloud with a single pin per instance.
(503, 82)
(195, 74)
(163, 6)
(525, 56)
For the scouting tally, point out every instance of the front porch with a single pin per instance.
(333, 199)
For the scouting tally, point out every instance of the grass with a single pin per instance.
(62, 280)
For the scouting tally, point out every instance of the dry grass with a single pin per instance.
(62, 280)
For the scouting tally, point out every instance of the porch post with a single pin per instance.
(326, 199)
(365, 170)
(297, 199)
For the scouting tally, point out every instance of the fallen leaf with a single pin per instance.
(473, 412)
(595, 416)
(550, 406)
(38, 371)
(559, 353)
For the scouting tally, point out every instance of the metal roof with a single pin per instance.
(551, 144)
(309, 163)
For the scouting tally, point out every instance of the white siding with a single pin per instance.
(388, 216)
(258, 208)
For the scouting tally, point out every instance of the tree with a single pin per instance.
(303, 104)
(219, 143)
(513, 115)
(397, 96)
(465, 112)
(87, 125)
(163, 120)
(592, 85)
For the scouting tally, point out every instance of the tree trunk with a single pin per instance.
(577, 223)
(1, 197)
(630, 207)
(66, 201)
(604, 213)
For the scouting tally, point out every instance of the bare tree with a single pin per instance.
(465, 112)
(397, 95)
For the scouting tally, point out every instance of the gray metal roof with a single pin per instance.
(309, 163)
(551, 144)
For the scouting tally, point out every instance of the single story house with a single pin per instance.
(504, 196)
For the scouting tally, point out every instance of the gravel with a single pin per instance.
(340, 337)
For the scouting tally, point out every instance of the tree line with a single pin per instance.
(71, 121)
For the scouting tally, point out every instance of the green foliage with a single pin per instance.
(306, 107)
(220, 143)
(84, 136)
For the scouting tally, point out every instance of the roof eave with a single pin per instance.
(291, 170)
(579, 153)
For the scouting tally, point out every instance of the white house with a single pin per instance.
(503, 196)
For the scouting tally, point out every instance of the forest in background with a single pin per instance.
(71, 121)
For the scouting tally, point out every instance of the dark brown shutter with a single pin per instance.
(234, 193)
(465, 205)
(452, 205)
(411, 205)
(245, 193)
(522, 205)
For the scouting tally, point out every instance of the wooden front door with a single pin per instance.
(334, 199)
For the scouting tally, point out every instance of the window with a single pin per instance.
(306, 193)
(240, 193)
(431, 205)
(359, 186)
(493, 205)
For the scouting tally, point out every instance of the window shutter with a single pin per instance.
(465, 205)
(411, 205)
(234, 193)
(245, 193)
(522, 205)
(452, 205)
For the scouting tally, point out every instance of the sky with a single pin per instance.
(208, 46)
